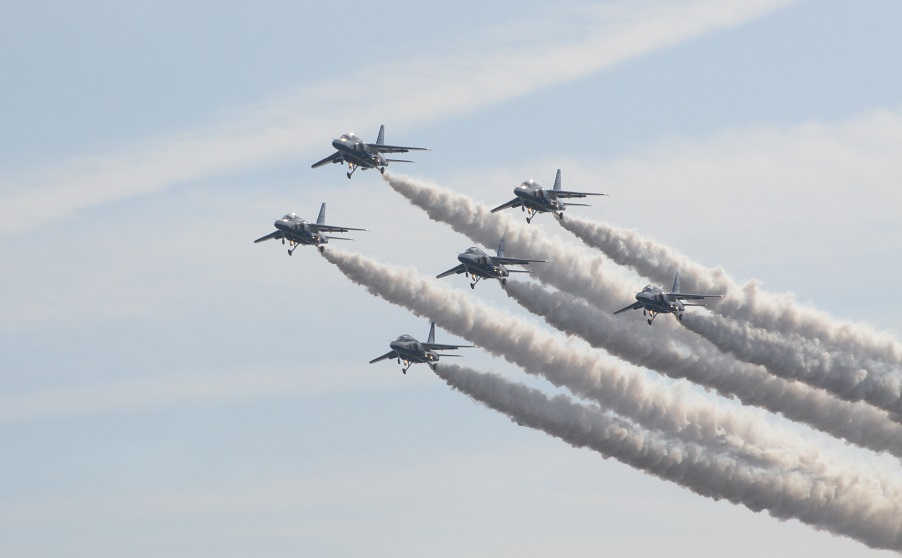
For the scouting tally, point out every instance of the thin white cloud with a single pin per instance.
(188, 387)
(408, 92)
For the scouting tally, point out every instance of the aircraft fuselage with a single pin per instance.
(538, 199)
(657, 302)
(482, 265)
(358, 152)
(413, 352)
(300, 232)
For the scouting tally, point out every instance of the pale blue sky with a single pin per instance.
(169, 388)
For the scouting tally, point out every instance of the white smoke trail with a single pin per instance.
(666, 352)
(576, 270)
(679, 412)
(765, 310)
(580, 273)
(795, 358)
(798, 343)
(823, 500)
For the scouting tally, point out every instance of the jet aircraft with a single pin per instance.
(653, 301)
(357, 153)
(299, 232)
(406, 348)
(533, 198)
(480, 265)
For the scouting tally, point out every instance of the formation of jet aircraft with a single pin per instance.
(299, 232)
(534, 199)
(530, 197)
(480, 265)
(410, 351)
(654, 300)
(359, 154)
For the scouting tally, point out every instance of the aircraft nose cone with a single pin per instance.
(336, 143)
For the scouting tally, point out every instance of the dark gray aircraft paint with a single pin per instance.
(533, 198)
(654, 300)
(359, 154)
(299, 232)
(480, 265)
(407, 349)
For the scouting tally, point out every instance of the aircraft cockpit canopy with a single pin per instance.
(648, 288)
(290, 217)
(405, 338)
(529, 184)
(349, 137)
(472, 250)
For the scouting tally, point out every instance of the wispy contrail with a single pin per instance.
(748, 302)
(680, 354)
(824, 500)
(792, 341)
(571, 364)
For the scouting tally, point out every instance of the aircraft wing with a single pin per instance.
(516, 202)
(397, 148)
(332, 228)
(568, 194)
(634, 306)
(440, 347)
(515, 261)
(389, 354)
(277, 234)
(457, 269)
(333, 158)
(684, 296)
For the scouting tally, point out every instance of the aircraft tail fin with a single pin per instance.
(380, 139)
(321, 220)
(557, 180)
(501, 247)
(676, 283)
(431, 333)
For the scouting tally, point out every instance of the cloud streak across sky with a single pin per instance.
(429, 89)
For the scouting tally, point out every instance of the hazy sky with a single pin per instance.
(170, 388)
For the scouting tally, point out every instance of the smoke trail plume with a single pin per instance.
(796, 358)
(674, 410)
(768, 311)
(824, 501)
(679, 354)
(582, 274)
(573, 269)
(564, 363)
